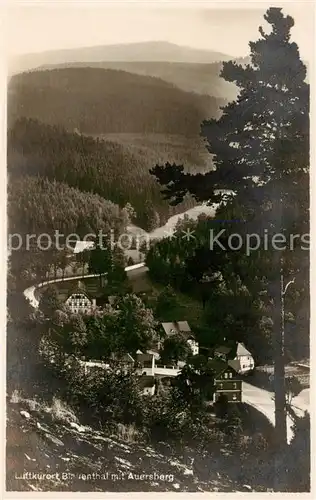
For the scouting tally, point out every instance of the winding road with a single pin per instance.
(29, 293)
(263, 401)
(260, 399)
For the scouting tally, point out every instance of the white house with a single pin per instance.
(238, 357)
(182, 328)
(243, 361)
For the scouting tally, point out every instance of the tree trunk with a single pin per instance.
(279, 370)
(279, 384)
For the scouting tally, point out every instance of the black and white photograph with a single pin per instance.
(158, 247)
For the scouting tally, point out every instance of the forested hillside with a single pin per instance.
(98, 101)
(114, 171)
(36, 204)
(191, 77)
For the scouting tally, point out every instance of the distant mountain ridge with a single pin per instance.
(137, 52)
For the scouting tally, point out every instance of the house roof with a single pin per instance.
(125, 358)
(242, 351)
(173, 327)
(141, 358)
(223, 349)
(81, 246)
(146, 381)
(217, 366)
(78, 288)
(153, 353)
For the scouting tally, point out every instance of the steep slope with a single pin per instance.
(37, 204)
(73, 457)
(105, 101)
(117, 172)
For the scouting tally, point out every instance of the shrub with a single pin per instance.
(61, 412)
(127, 433)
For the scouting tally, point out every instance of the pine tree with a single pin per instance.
(260, 148)
(152, 219)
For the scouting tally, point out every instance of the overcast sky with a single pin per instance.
(228, 30)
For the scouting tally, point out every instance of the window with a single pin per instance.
(235, 385)
(226, 375)
(234, 397)
(230, 375)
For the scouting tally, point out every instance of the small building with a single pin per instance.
(147, 384)
(145, 364)
(182, 328)
(238, 357)
(225, 382)
(79, 302)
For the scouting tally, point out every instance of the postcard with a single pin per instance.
(158, 229)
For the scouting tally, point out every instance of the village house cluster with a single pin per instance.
(227, 362)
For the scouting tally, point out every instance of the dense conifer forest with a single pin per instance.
(98, 101)
(101, 131)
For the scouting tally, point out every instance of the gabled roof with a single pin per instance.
(153, 353)
(78, 288)
(141, 358)
(217, 366)
(223, 349)
(242, 351)
(173, 327)
(127, 358)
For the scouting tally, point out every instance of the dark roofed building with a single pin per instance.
(181, 328)
(174, 327)
(237, 356)
(225, 381)
(223, 352)
(146, 364)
